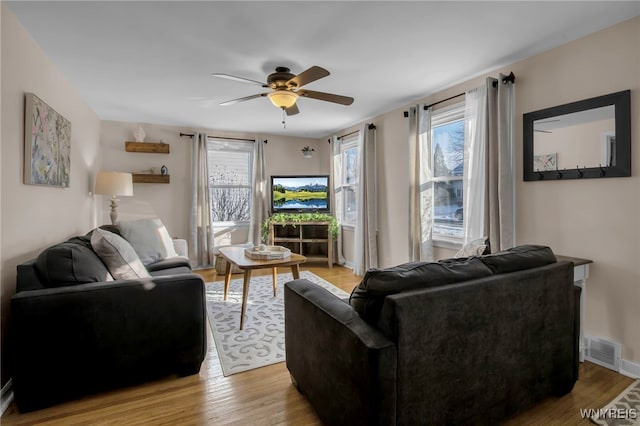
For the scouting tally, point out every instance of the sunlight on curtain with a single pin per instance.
(421, 192)
(366, 229)
(489, 178)
(260, 193)
(474, 181)
(337, 198)
(200, 229)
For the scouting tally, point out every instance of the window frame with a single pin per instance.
(222, 145)
(348, 143)
(443, 116)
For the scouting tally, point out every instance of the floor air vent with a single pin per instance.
(603, 352)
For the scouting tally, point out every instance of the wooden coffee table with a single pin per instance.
(235, 256)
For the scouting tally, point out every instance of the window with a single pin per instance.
(349, 152)
(230, 181)
(447, 145)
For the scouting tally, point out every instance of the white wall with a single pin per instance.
(170, 202)
(34, 217)
(597, 219)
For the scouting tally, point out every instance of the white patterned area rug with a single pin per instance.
(261, 342)
(623, 410)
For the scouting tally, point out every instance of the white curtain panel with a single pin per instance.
(474, 181)
(421, 192)
(259, 194)
(489, 176)
(200, 227)
(366, 231)
(336, 195)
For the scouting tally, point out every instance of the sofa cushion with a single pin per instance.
(149, 238)
(121, 259)
(367, 298)
(171, 266)
(70, 263)
(519, 258)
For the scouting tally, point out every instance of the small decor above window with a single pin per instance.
(307, 152)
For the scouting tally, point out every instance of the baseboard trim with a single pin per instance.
(6, 396)
(630, 369)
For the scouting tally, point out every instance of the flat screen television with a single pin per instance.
(308, 193)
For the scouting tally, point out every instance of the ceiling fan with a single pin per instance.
(286, 88)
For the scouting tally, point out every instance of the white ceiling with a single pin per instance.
(151, 61)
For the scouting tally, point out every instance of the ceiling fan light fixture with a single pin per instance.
(283, 98)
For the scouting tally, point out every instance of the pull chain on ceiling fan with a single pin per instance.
(286, 89)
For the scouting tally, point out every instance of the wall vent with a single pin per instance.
(603, 352)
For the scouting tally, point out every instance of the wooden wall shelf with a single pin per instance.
(149, 178)
(153, 147)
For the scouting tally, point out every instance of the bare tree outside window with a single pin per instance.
(230, 201)
(230, 184)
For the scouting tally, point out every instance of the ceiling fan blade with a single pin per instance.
(305, 77)
(329, 97)
(240, 79)
(246, 98)
(293, 110)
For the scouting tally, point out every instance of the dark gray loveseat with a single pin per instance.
(75, 333)
(461, 341)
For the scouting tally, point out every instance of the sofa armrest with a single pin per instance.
(345, 367)
(180, 246)
(69, 341)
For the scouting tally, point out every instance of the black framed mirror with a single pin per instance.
(584, 139)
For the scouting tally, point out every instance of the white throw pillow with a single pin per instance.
(149, 238)
(120, 258)
(473, 248)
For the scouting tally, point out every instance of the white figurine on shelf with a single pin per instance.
(139, 134)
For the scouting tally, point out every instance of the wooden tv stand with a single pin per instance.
(310, 239)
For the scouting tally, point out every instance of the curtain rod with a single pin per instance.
(510, 78)
(348, 134)
(426, 107)
(371, 126)
(221, 137)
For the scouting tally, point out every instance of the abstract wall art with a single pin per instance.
(47, 144)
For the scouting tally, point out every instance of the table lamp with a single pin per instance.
(114, 184)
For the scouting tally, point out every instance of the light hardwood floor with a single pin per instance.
(265, 396)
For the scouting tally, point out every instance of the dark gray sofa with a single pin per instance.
(73, 333)
(462, 341)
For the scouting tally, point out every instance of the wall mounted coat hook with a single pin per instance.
(603, 172)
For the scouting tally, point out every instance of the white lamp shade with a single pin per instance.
(114, 183)
(283, 98)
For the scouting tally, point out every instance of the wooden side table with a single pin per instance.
(235, 256)
(580, 275)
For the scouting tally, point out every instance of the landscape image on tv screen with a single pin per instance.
(300, 193)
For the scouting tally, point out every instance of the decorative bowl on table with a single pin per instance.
(263, 252)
